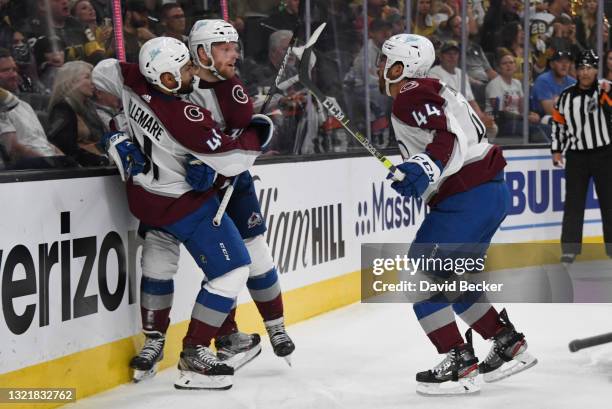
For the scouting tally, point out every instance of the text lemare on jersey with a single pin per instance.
(145, 120)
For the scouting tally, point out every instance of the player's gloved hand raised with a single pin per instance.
(420, 170)
(129, 159)
(264, 127)
(199, 175)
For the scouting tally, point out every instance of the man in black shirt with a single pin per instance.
(581, 129)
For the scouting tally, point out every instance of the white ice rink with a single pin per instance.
(366, 356)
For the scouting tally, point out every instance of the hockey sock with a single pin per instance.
(229, 326)
(266, 292)
(479, 314)
(438, 322)
(155, 303)
(209, 312)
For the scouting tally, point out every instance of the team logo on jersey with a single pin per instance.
(408, 86)
(255, 220)
(193, 113)
(146, 97)
(239, 95)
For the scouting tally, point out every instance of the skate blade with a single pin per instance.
(287, 359)
(192, 380)
(520, 363)
(464, 386)
(242, 358)
(139, 375)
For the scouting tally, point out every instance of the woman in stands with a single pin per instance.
(75, 127)
(83, 11)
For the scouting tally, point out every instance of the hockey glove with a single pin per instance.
(264, 128)
(199, 175)
(129, 159)
(420, 171)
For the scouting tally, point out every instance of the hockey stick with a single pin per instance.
(229, 191)
(334, 109)
(578, 344)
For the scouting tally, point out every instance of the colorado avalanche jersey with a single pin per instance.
(167, 130)
(227, 101)
(428, 116)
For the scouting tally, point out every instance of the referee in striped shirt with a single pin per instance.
(581, 129)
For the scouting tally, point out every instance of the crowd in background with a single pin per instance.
(48, 49)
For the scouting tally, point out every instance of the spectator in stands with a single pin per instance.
(80, 41)
(564, 37)
(75, 126)
(135, 29)
(356, 80)
(6, 28)
(586, 25)
(548, 86)
(21, 134)
(500, 13)
(173, 21)
(103, 10)
(505, 101)
(511, 37)
(49, 55)
(449, 73)
(22, 54)
(284, 18)
(607, 64)
(423, 22)
(85, 13)
(479, 69)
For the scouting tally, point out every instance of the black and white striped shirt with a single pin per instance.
(581, 119)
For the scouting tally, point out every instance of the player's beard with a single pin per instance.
(226, 71)
(185, 88)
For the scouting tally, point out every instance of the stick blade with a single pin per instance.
(315, 35)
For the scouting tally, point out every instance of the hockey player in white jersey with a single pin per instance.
(169, 131)
(218, 89)
(450, 165)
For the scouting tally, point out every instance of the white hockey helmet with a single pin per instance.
(207, 32)
(163, 54)
(415, 52)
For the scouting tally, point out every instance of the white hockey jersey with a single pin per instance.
(167, 129)
(428, 116)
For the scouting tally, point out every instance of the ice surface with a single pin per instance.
(366, 356)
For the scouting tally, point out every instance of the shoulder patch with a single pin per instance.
(239, 95)
(408, 86)
(193, 113)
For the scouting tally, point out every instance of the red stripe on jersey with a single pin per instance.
(488, 325)
(471, 175)
(446, 338)
(441, 148)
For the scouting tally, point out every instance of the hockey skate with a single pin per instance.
(201, 369)
(146, 362)
(238, 349)
(282, 345)
(507, 355)
(455, 375)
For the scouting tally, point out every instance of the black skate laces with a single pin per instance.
(152, 348)
(278, 334)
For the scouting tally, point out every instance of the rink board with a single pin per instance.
(69, 257)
